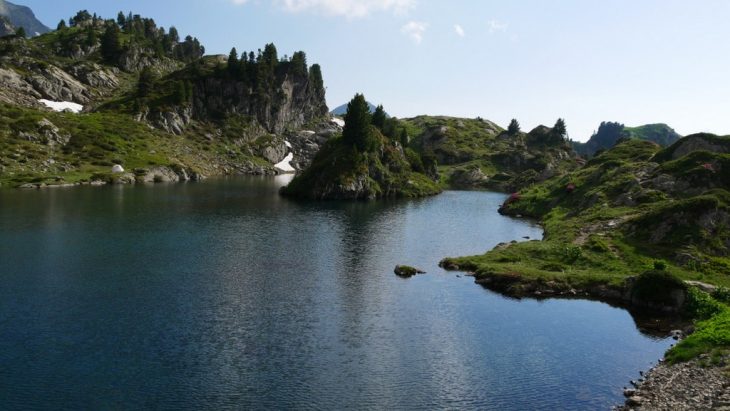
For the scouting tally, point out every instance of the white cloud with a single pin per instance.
(497, 26)
(345, 8)
(459, 30)
(414, 30)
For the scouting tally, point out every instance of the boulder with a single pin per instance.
(406, 271)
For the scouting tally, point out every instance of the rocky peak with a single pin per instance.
(22, 16)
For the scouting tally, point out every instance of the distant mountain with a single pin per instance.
(6, 27)
(22, 16)
(341, 110)
(609, 133)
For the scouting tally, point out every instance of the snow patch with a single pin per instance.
(284, 165)
(62, 105)
(288, 144)
(340, 122)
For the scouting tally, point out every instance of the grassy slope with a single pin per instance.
(110, 135)
(98, 140)
(466, 144)
(593, 236)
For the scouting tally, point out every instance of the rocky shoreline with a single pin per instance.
(699, 384)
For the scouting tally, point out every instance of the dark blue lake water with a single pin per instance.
(222, 295)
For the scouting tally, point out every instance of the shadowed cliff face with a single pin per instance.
(289, 106)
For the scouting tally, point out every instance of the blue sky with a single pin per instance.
(631, 61)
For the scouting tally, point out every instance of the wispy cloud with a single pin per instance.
(344, 8)
(459, 30)
(414, 30)
(497, 26)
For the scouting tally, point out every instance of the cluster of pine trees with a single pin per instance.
(360, 127)
(262, 71)
(558, 134)
(129, 31)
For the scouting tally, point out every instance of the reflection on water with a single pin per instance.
(224, 295)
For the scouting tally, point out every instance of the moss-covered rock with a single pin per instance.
(407, 271)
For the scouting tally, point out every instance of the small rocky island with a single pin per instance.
(366, 162)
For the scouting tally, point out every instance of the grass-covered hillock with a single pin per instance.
(627, 211)
(477, 153)
(609, 133)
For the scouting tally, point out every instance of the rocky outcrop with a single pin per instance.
(95, 75)
(80, 83)
(173, 121)
(6, 27)
(55, 84)
(694, 143)
(472, 177)
(275, 151)
(341, 172)
(406, 271)
(294, 104)
(305, 144)
(47, 133)
(162, 174)
(136, 59)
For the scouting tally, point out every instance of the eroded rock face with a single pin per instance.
(46, 133)
(55, 84)
(291, 107)
(95, 75)
(173, 121)
(696, 143)
(473, 177)
(275, 152)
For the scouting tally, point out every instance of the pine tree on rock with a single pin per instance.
(233, 61)
(110, 45)
(379, 117)
(559, 129)
(357, 131)
(514, 127)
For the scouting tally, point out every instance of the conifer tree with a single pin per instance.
(121, 19)
(110, 43)
(20, 32)
(357, 131)
(378, 117)
(233, 62)
(61, 25)
(514, 127)
(560, 130)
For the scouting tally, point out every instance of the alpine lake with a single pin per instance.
(224, 295)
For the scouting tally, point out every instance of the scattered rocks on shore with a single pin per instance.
(693, 385)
